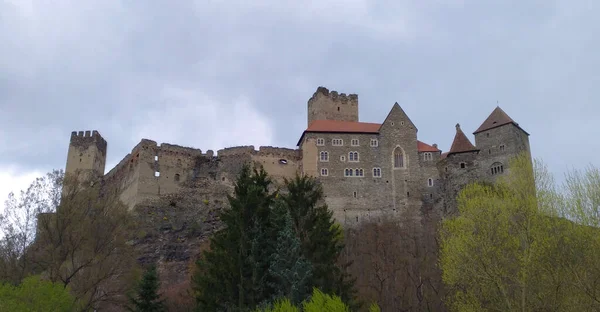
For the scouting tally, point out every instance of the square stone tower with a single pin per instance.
(325, 105)
(87, 154)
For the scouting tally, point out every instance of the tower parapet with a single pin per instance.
(331, 105)
(87, 153)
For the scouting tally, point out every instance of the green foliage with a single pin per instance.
(321, 239)
(513, 248)
(281, 305)
(289, 270)
(232, 275)
(320, 302)
(35, 295)
(146, 297)
(374, 307)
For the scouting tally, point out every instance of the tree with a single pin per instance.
(80, 240)
(511, 247)
(35, 295)
(321, 239)
(232, 275)
(18, 223)
(290, 271)
(147, 298)
(317, 302)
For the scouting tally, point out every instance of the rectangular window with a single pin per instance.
(320, 142)
(354, 142)
(374, 143)
(337, 142)
(324, 172)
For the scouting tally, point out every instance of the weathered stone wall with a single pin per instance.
(498, 145)
(87, 152)
(455, 177)
(326, 105)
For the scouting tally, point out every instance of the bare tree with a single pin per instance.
(18, 223)
(81, 239)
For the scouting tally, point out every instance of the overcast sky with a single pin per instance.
(212, 74)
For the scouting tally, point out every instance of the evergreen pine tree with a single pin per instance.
(147, 298)
(289, 270)
(232, 275)
(319, 236)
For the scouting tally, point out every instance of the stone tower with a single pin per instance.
(87, 154)
(499, 138)
(325, 105)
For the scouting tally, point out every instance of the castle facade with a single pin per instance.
(368, 171)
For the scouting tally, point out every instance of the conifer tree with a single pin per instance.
(232, 275)
(147, 298)
(319, 236)
(290, 271)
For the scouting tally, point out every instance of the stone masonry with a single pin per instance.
(368, 171)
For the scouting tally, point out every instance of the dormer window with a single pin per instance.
(320, 142)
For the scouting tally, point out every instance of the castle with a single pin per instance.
(368, 170)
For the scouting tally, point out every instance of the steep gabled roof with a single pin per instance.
(398, 111)
(496, 119)
(461, 143)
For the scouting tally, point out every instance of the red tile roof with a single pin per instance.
(343, 126)
(337, 126)
(461, 143)
(496, 119)
(423, 147)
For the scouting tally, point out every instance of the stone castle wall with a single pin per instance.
(152, 171)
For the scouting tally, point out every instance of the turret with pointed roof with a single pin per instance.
(461, 143)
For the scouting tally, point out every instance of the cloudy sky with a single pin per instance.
(217, 73)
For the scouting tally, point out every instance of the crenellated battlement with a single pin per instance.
(342, 98)
(84, 139)
(331, 105)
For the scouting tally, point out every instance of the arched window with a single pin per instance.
(359, 172)
(324, 156)
(497, 168)
(353, 156)
(398, 158)
(430, 182)
(348, 172)
(177, 177)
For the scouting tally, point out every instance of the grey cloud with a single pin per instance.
(114, 66)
